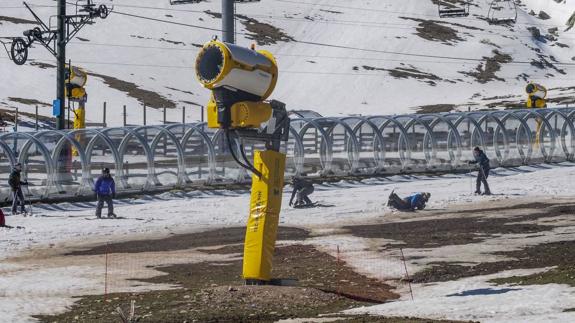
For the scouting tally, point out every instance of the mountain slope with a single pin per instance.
(335, 57)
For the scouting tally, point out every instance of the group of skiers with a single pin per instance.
(105, 189)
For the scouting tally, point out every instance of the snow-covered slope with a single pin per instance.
(335, 56)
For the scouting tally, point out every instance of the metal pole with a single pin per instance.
(165, 115)
(36, 118)
(202, 118)
(124, 115)
(61, 58)
(228, 21)
(144, 114)
(104, 124)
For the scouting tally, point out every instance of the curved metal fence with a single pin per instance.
(148, 158)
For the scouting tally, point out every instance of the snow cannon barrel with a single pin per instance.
(537, 95)
(243, 69)
(240, 79)
(76, 79)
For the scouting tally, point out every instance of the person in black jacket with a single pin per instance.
(301, 188)
(483, 161)
(16, 183)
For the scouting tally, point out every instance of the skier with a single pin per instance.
(105, 189)
(301, 188)
(413, 202)
(483, 161)
(16, 183)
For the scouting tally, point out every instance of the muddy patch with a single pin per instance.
(435, 108)
(149, 98)
(17, 21)
(406, 72)
(564, 274)
(486, 71)
(439, 31)
(214, 292)
(544, 255)
(263, 33)
(460, 230)
(29, 101)
(219, 237)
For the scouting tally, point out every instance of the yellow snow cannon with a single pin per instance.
(240, 80)
(536, 99)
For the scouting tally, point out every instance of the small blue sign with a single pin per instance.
(56, 108)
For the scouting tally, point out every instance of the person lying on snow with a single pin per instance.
(413, 202)
(301, 190)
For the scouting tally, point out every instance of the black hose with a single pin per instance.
(249, 166)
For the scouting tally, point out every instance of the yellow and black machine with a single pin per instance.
(536, 99)
(76, 80)
(241, 79)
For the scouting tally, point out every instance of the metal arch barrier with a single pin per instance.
(359, 152)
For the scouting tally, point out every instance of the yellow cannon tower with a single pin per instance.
(241, 79)
(76, 79)
(536, 99)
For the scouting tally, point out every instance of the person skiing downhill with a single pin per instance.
(105, 189)
(484, 167)
(301, 189)
(16, 183)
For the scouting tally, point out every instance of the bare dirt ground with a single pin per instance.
(197, 276)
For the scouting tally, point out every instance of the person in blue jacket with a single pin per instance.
(484, 167)
(413, 202)
(105, 189)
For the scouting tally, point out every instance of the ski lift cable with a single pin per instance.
(325, 21)
(321, 44)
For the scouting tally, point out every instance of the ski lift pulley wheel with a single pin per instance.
(103, 11)
(19, 51)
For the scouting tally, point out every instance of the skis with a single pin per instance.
(312, 205)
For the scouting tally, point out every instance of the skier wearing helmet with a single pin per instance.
(16, 183)
(105, 189)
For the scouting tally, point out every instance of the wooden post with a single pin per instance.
(104, 123)
(16, 121)
(124, 115)
(37, 118)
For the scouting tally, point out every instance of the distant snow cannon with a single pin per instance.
(536, 99)
(76, 79)
(240, 80)
(536, 95)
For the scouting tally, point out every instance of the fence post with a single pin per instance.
(184, 114)
(165, 115)
(104, 123)
(144, 114)
(37, 117)
(124, 115)
(16, 121)
(202, 114)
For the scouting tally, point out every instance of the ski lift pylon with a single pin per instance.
(453, 8)
(502, 12)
